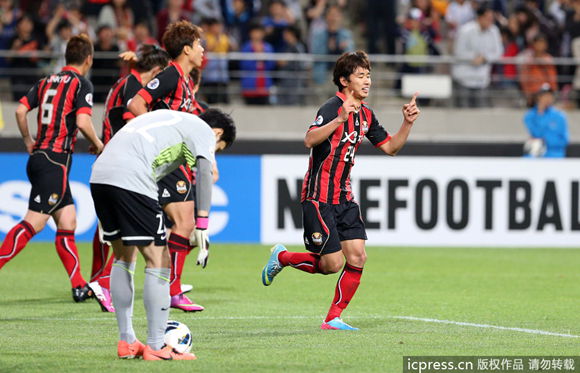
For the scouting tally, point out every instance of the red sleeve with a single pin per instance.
(146, 96)
(24, 101)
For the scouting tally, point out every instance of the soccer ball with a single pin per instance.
(178, 336)
(535, 148)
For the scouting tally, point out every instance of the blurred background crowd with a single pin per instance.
(495, 51)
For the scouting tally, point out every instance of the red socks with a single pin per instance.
(100, 253)
(179, 248)
(345, 288)
(105, 278)
(15, 241)
(306, 262)
(68, 253)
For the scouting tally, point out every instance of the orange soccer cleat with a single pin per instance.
(166, 353)
(127, 350)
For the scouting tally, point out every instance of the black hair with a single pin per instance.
(484, 8)
(150, 56)
(62, 24)
(294, 31)
(103, 27)
(216, 118)
(255, 25)
(347, 64)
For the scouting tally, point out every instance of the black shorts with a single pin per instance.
(176, 187)
(48, 173)
(325, 226)
(132, 217)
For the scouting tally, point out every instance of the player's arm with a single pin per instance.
(22, 121)
(317, 135)
(161, 86)
(27, 103)
(410, 114)
(85, 125)
(84, 110)
(203, 189)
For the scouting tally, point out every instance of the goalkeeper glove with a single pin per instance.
(201, 239)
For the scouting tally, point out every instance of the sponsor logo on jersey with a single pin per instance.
(317, 238)
(181, 187)
(165, 193)
(365, 127)
(89, 99)
(37, 198)
(53, 199)
(154, 84)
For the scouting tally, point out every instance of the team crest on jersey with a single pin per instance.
(181, 187)
(365, 127)
(319, 120)
(53, 199)
(89, 99)
(153, 84)
(317, 238)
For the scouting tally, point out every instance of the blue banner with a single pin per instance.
(235, 215)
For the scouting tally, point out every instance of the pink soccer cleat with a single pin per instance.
(182, 302)
(103, 296)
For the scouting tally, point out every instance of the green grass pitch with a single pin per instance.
(247, 327)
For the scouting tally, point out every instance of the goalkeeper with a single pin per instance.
(125, 193)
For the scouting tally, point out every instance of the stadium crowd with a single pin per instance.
(535, 30)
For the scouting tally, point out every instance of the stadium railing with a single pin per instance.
(300, 84)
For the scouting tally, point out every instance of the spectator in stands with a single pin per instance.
(558, 11)
(25, 73)
(547, 123)
(208, 9)
(537, 69)
(215, 74)
(78, 21)
(172, 13)
(279, 17)
(256, 79)
(572, 26)
(333, 39)
(291, 83)
(508, 72)
(431, 21)
(381, 26)
(58, 40)
(459, 12)
(141, 35)
(477, 45)
(119, 17)
(105, 70)
(417, 41)
(9, 17)
(238, 15)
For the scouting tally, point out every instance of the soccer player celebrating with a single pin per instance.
(125, 192)
(149, 61)
(333, 227)
(174, 89)
(65, 104)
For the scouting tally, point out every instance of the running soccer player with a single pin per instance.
(174, 89)
(149, 61)
(65, 103)
(125, 193)
(333, 227)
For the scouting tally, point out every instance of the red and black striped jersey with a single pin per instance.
(116, 112)
(328, 176)
(59, 97)
(170, 89)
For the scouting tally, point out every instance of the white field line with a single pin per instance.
(485, 326)
(302, 317)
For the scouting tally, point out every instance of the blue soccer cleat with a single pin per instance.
(273, 267)
(336, 324)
